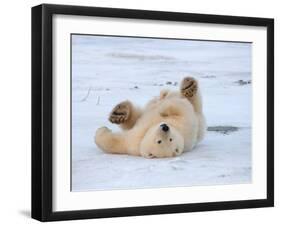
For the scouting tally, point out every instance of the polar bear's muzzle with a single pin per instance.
(165, 127)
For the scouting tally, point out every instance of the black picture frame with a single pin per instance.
(42, 107)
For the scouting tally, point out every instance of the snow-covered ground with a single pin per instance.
(107, 70)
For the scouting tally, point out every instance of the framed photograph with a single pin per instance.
(145, 112)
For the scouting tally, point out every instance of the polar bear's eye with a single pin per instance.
(159, 141)
(171, 139)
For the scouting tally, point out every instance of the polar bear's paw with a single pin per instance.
(120, 113)
(102, 137)
(189, 87)
(102, 130)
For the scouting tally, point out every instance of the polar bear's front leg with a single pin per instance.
(125, 114)
(111, 142)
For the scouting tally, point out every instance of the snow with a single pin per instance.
(108, 70)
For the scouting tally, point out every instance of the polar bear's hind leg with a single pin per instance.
(125, 115)
(189, 88)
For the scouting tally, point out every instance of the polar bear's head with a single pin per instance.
(162, 140)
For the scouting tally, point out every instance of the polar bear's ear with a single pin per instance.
(164, 93)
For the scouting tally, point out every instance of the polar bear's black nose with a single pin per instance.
(164, 127)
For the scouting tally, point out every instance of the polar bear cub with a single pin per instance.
(170, 124)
